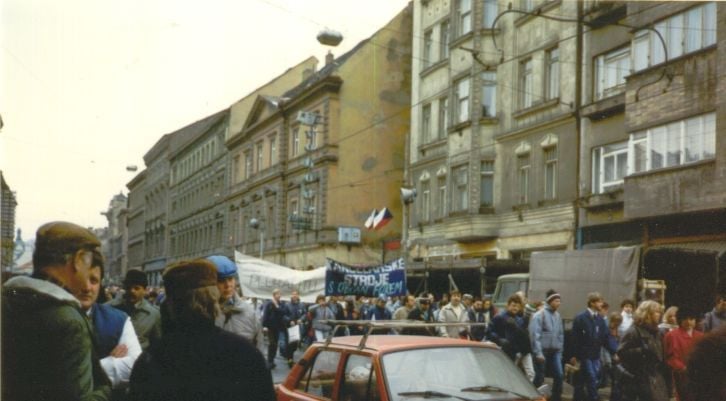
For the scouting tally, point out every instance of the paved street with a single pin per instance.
(279, 373)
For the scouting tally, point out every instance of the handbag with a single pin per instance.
(293, 334)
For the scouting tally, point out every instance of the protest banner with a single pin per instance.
(258, 278)
(388, 279)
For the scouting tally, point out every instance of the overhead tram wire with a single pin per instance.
(447, 90)
(515, 89)
(538, 13)
(487, 146)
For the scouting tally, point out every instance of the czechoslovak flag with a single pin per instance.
(382, 218)
(369, 221)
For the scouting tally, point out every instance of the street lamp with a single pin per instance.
(257, 225)
(330, 37)
(407, 197)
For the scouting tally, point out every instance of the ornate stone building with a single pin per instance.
(301, 190)
(198, 171)
(8, 203)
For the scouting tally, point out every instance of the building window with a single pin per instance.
(425, 213)
(609, 166)
(443, 116)
(273, 150)
(295, 142)
(427, 51)
(683, 33)
(312, 139)
(270, 222)
(552, 89)
(444, 41)
(526, 83)
(260, 156)
(677, 143)
(610, 72)
(550, 172)
(640, 50)
(442, 196)
(462, 100)
(490, 13)
(235, 169)
(523, 168)
(426, 123)
(486, 192)
(461, 188)
(292, 214)
(248, 164)
(489, 94)
(674, 144)
(464, 16)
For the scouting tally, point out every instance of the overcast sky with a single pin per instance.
(88, 86)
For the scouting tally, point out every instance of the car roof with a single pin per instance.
(388, 343)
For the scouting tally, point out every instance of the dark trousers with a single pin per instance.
(287, 348)
(273, 336)
(587, 383)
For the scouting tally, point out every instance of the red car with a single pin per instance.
(405, 368)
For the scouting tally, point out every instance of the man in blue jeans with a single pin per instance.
(589, 334)
(548, 338)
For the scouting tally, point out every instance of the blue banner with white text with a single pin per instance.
(371, 281)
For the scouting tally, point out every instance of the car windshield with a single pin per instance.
(468, 372)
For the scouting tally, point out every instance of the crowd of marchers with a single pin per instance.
(64, 337)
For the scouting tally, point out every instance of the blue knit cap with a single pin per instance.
(225, 267)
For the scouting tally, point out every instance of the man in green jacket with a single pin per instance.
(47, 351)
(145, 317)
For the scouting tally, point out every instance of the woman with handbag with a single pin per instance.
(642, 358)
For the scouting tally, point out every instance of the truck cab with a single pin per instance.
(508, 284)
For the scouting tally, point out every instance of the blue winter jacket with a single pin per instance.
(546, 331)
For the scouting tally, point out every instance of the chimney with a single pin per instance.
(329, 58)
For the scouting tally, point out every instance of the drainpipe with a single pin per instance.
(578, 123)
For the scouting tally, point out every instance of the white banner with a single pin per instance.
(258, 278)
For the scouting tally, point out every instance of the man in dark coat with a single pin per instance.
(421, 313)
(195, 359)
(589, 334)
(509, 330)
(273, 319)
(477, 314)
(47, 351)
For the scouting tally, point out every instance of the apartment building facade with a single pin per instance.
(493, 137)
(241, 165)
(135, 220)
(198, 172)
(308, 187)
(653, 143)
(8, 204)
(115, 245)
